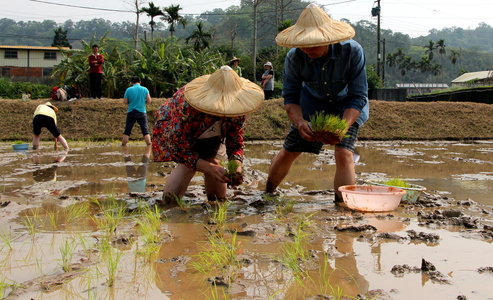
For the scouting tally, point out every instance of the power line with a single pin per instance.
(78, 6)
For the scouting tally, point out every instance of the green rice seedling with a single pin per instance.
(67, 252)
(217, 253)
(235, 178)
(76, 211)
(285, 206)
(111, 258)
(397, 182)
(295, 253)
(324, 125)
(32, 222)
(149, 226)
(184, 205)
(110, 217)
(6, 238)
(325, 122)
(219, 214)
(6, 287)
(52, 218)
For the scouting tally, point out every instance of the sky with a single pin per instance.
(412, 17)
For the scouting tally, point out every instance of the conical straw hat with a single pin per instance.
(314, 28)
(224, 94)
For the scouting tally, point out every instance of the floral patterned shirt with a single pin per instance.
(178, 125)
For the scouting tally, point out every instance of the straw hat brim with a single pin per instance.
(224, 95)
(314, 28)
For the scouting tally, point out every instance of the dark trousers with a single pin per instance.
(95, 85)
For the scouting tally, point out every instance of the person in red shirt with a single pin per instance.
(96, 61)
(199, 126)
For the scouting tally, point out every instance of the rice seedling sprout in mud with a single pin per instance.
(67, 252)
(6, 238)
(111, 216)
(295, 253)
(218, 252)
(76, 211)
(6, 286)
(52, 218)
(149, 226)
(285, 206)
(182, 203)
(111, 258)
(32, 222)
(217, 217)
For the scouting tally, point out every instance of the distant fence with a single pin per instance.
(479, 95)
(387, 94)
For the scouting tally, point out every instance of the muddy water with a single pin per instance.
(350, 253)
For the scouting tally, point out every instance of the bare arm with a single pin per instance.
(148, 98)
(125, 100)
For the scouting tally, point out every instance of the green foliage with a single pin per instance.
(14, 90)
(397, 182)
(329, 123)
(374, 81)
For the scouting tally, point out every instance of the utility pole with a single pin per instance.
(375, 12)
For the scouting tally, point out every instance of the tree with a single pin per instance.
(429, 49)
(136, 4)
(152, 12)
(173, 17)
(60, 38)
(200, 38)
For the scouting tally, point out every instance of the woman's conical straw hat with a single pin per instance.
(314, 28)
(224, 94)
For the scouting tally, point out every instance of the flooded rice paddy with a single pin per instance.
(87, 225)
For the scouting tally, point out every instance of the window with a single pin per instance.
(10, 53)
(5, 72)
(47, 71)
(50, 55)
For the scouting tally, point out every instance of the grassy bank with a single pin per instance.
(105, 119)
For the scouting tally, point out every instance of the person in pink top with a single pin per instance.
(96, 62)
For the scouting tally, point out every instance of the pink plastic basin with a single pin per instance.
(371, 197)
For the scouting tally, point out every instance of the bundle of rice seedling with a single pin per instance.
(328, 129)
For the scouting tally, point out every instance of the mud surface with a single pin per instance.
(74, 225)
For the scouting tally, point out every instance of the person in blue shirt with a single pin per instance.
(323, 72)
(136, 97)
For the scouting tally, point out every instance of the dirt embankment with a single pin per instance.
(105, 119)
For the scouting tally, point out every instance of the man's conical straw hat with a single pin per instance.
(224, 94)
(314, 28)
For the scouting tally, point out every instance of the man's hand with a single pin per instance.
(305, 131)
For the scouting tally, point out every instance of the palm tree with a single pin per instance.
(173, 17)
(152, 12)
(429, 49)
(200, 38)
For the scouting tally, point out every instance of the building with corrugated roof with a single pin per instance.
(473, 78)
(29, 63)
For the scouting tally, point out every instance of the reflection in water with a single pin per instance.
(137, 173)
(44, 174)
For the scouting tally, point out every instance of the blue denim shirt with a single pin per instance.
(331, 84)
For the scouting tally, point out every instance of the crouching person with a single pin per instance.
(201, 123)
(45, 116)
